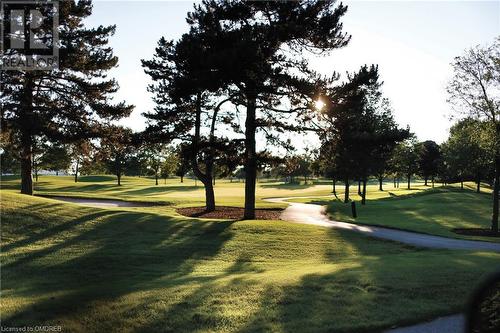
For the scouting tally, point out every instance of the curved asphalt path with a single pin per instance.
(448, 324)
(315, 214)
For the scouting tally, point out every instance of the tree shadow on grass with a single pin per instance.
(91, 188)
(95, 179)
(267, 306)
(286, 186)
(322, 202)
(431, 212)
(160, 189)
(49, 232)
(129, 253)
(123, 252)
(404, 286)
(388, 284)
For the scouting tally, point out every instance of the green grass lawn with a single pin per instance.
(187, 193)
(144, 270)
(435, 211)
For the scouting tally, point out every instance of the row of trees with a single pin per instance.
(359, 133)
(118, 153)
(240, 71)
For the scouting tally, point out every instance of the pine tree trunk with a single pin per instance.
(205, 178)
(380, 180)
(409, 180)
(359, 187)
(182, 178)
(119, 178)
(425, 184)
(394, 182)
(334, 191)
(156, 178)
(26, 166)
(250, 159)
(346, 192)
(209, 197)
(26, 137)
(462, 184)
(76, 170)
(496, 188)
(432, 181)
(35, 169)
(363, 197)
(478, 180)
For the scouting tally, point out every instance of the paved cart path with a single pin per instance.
(448, 324)
(315, 214)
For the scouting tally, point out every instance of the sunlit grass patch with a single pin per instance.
(94, 270)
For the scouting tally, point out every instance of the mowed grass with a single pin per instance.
(435, 211)
(188, 193)
(137, 270)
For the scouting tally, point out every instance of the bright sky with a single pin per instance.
(412, 41)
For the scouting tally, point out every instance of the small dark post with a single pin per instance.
(353, 208)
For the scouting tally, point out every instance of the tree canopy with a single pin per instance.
(66, 103)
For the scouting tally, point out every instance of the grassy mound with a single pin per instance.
(436, 211)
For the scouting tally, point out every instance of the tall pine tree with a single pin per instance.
(258, 48)
(67, 103)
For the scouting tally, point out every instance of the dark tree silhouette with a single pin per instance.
(115, 149)
(360, 131)
(343, 115)
(62, 104)
(404, 159)
(429, 158)
(185, 92)
(182, 152)
(257, 49)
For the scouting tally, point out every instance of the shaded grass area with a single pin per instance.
(486, 315)
(436, 211)
(143, 270)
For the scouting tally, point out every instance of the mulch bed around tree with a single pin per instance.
(476, 232)
(232, 213)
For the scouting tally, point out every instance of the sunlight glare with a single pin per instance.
(319, 105)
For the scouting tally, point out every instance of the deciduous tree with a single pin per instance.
(115, 149)
(429, 159)
(473, 91)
